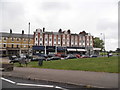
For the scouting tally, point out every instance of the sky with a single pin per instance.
(92, 16)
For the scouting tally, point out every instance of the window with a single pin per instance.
(12, 39)
(40, 39)
(17, 39)
(4, 45)
(46, 39)
(58, 39)
(50, 39)
(17, 46)
(24, 39)
(36, 39)
(4, 38)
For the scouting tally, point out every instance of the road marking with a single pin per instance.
(24, 84)
(60, 88)
(8, 80)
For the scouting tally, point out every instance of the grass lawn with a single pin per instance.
(100, 64)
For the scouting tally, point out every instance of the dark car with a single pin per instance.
(17, 59)
(12, 57)
(70, 57)
(38, 58)
(53, 58)
(50, 55)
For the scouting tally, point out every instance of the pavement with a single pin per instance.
(84, 78)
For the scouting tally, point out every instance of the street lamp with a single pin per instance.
(104, 42)
(28, 37)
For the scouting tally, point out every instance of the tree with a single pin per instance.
(118, 50)
(98, 43)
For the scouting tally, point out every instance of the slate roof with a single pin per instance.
(15, 35)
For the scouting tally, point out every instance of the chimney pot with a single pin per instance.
(10, 31)
(43, 29)
(22, 31)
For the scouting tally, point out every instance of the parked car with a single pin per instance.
(70, 56)
(17, 59)
(77, 55)
(110, 54)
(85, 56)
(38, 58)
(53, 58)
(12, 57)
(61, 55)
(50, 55)
(93, 56)
(14, 60)
(43, 55)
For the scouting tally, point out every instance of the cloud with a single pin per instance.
(55, 6)
(93, 16)
(105, 24)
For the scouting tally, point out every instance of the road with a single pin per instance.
(12, 82)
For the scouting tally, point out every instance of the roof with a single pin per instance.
(15, 35)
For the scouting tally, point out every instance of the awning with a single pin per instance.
(81, 50)
(96, 48)
(71, 49)
(38, 47)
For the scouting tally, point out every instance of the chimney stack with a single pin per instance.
(43, 29)
(22, 31)
(10, 31)
(60, 30)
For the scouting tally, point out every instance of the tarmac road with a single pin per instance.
(12, 82)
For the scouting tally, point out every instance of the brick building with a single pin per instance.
(62, 42)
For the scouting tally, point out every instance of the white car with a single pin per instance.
(110, 54)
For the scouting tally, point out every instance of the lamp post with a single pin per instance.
(104, 42)
(56, 49)
(28, 36)
(45, 50)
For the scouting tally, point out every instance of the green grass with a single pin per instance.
(100, 64)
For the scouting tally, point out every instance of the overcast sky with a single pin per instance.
(93, 16)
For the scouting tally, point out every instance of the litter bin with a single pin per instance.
(40, 62)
